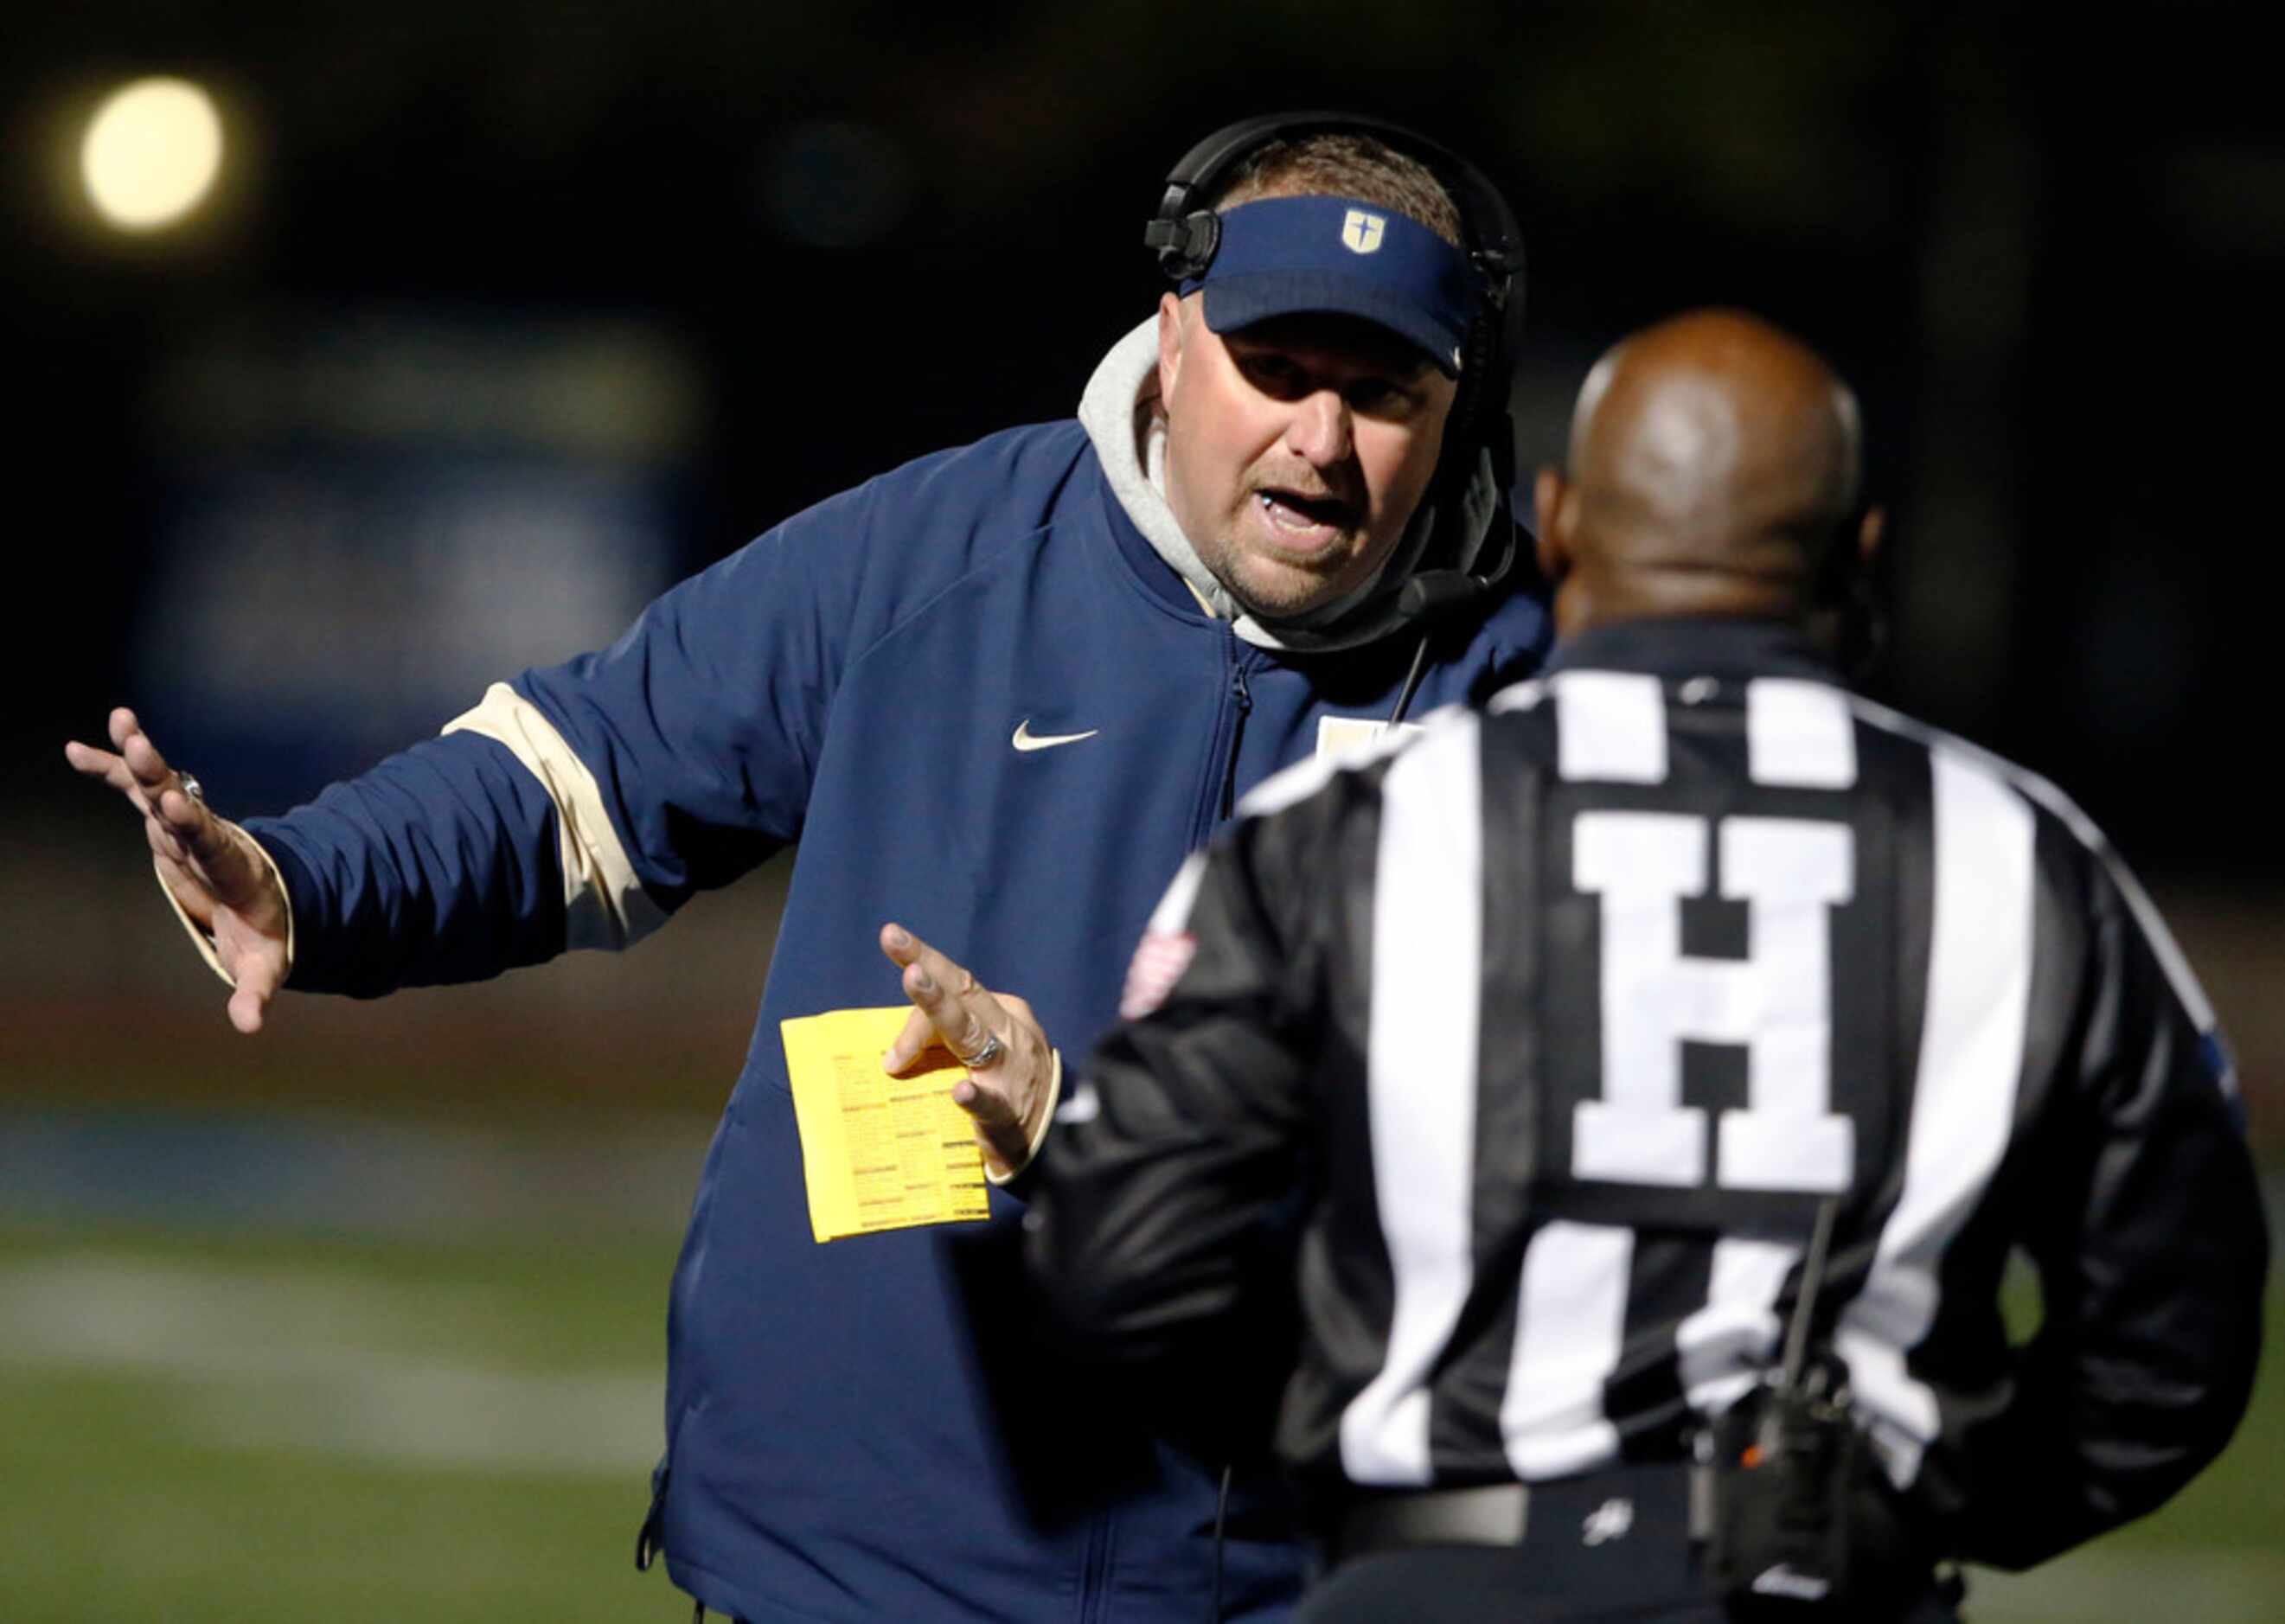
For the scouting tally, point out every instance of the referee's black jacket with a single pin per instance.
(1529, 1049)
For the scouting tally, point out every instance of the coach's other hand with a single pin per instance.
(212, 868)
(1010, 1093)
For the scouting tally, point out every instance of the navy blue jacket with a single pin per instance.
(868, 1429)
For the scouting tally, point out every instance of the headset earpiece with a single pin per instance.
(1185, 245)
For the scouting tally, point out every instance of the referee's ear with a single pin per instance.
(1869, 534)
(1556, 508)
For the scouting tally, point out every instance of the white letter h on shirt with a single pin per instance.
(1776, 1002)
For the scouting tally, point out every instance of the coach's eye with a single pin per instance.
(1384, 398)
(1274, 374)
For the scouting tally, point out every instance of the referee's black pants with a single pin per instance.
(1461, 1585)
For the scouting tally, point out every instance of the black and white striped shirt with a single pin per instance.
(1562, 1019)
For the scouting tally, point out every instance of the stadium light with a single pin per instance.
(152, 153)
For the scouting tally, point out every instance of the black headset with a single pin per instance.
(1186, 232)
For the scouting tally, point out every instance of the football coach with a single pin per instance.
(997, 696)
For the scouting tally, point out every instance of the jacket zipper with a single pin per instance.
(1244, 702)
(1095, 1576)
(1221, 747)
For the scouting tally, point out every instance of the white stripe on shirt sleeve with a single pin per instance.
(1800, 734)
(1421, 1085)
(1571, 1313)
(1610, 727)
(1979, 990)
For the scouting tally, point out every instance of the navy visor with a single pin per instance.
(1284, 257)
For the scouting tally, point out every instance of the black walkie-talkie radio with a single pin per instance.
(1795, 1528)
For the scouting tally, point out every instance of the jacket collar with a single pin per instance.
(1693, 646)
(1143, 553)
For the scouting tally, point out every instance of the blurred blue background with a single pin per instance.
(496, 317)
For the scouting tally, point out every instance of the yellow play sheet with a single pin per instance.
(879, 1152)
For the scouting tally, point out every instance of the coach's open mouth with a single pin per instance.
(1291, 511)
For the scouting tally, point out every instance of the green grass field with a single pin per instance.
(274, 1430)
(268, 1429)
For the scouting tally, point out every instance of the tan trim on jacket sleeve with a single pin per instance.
(1039, 1133)
(604, 904)
(205, 943)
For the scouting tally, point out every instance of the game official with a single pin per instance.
(1646, 1080)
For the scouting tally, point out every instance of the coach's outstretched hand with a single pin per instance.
(1008, 1094)
(212, 867)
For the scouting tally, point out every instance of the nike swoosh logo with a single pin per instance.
(1026, 740)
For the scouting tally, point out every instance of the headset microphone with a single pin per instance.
(1436, 594)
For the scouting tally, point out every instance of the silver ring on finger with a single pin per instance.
(992, 1050)
(192, 788)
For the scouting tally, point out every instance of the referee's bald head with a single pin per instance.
(1714, 462)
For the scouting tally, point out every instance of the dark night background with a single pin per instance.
(504, 315)
(817, 241)
(2038, 247)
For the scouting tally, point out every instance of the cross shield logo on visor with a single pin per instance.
(1361, 231)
